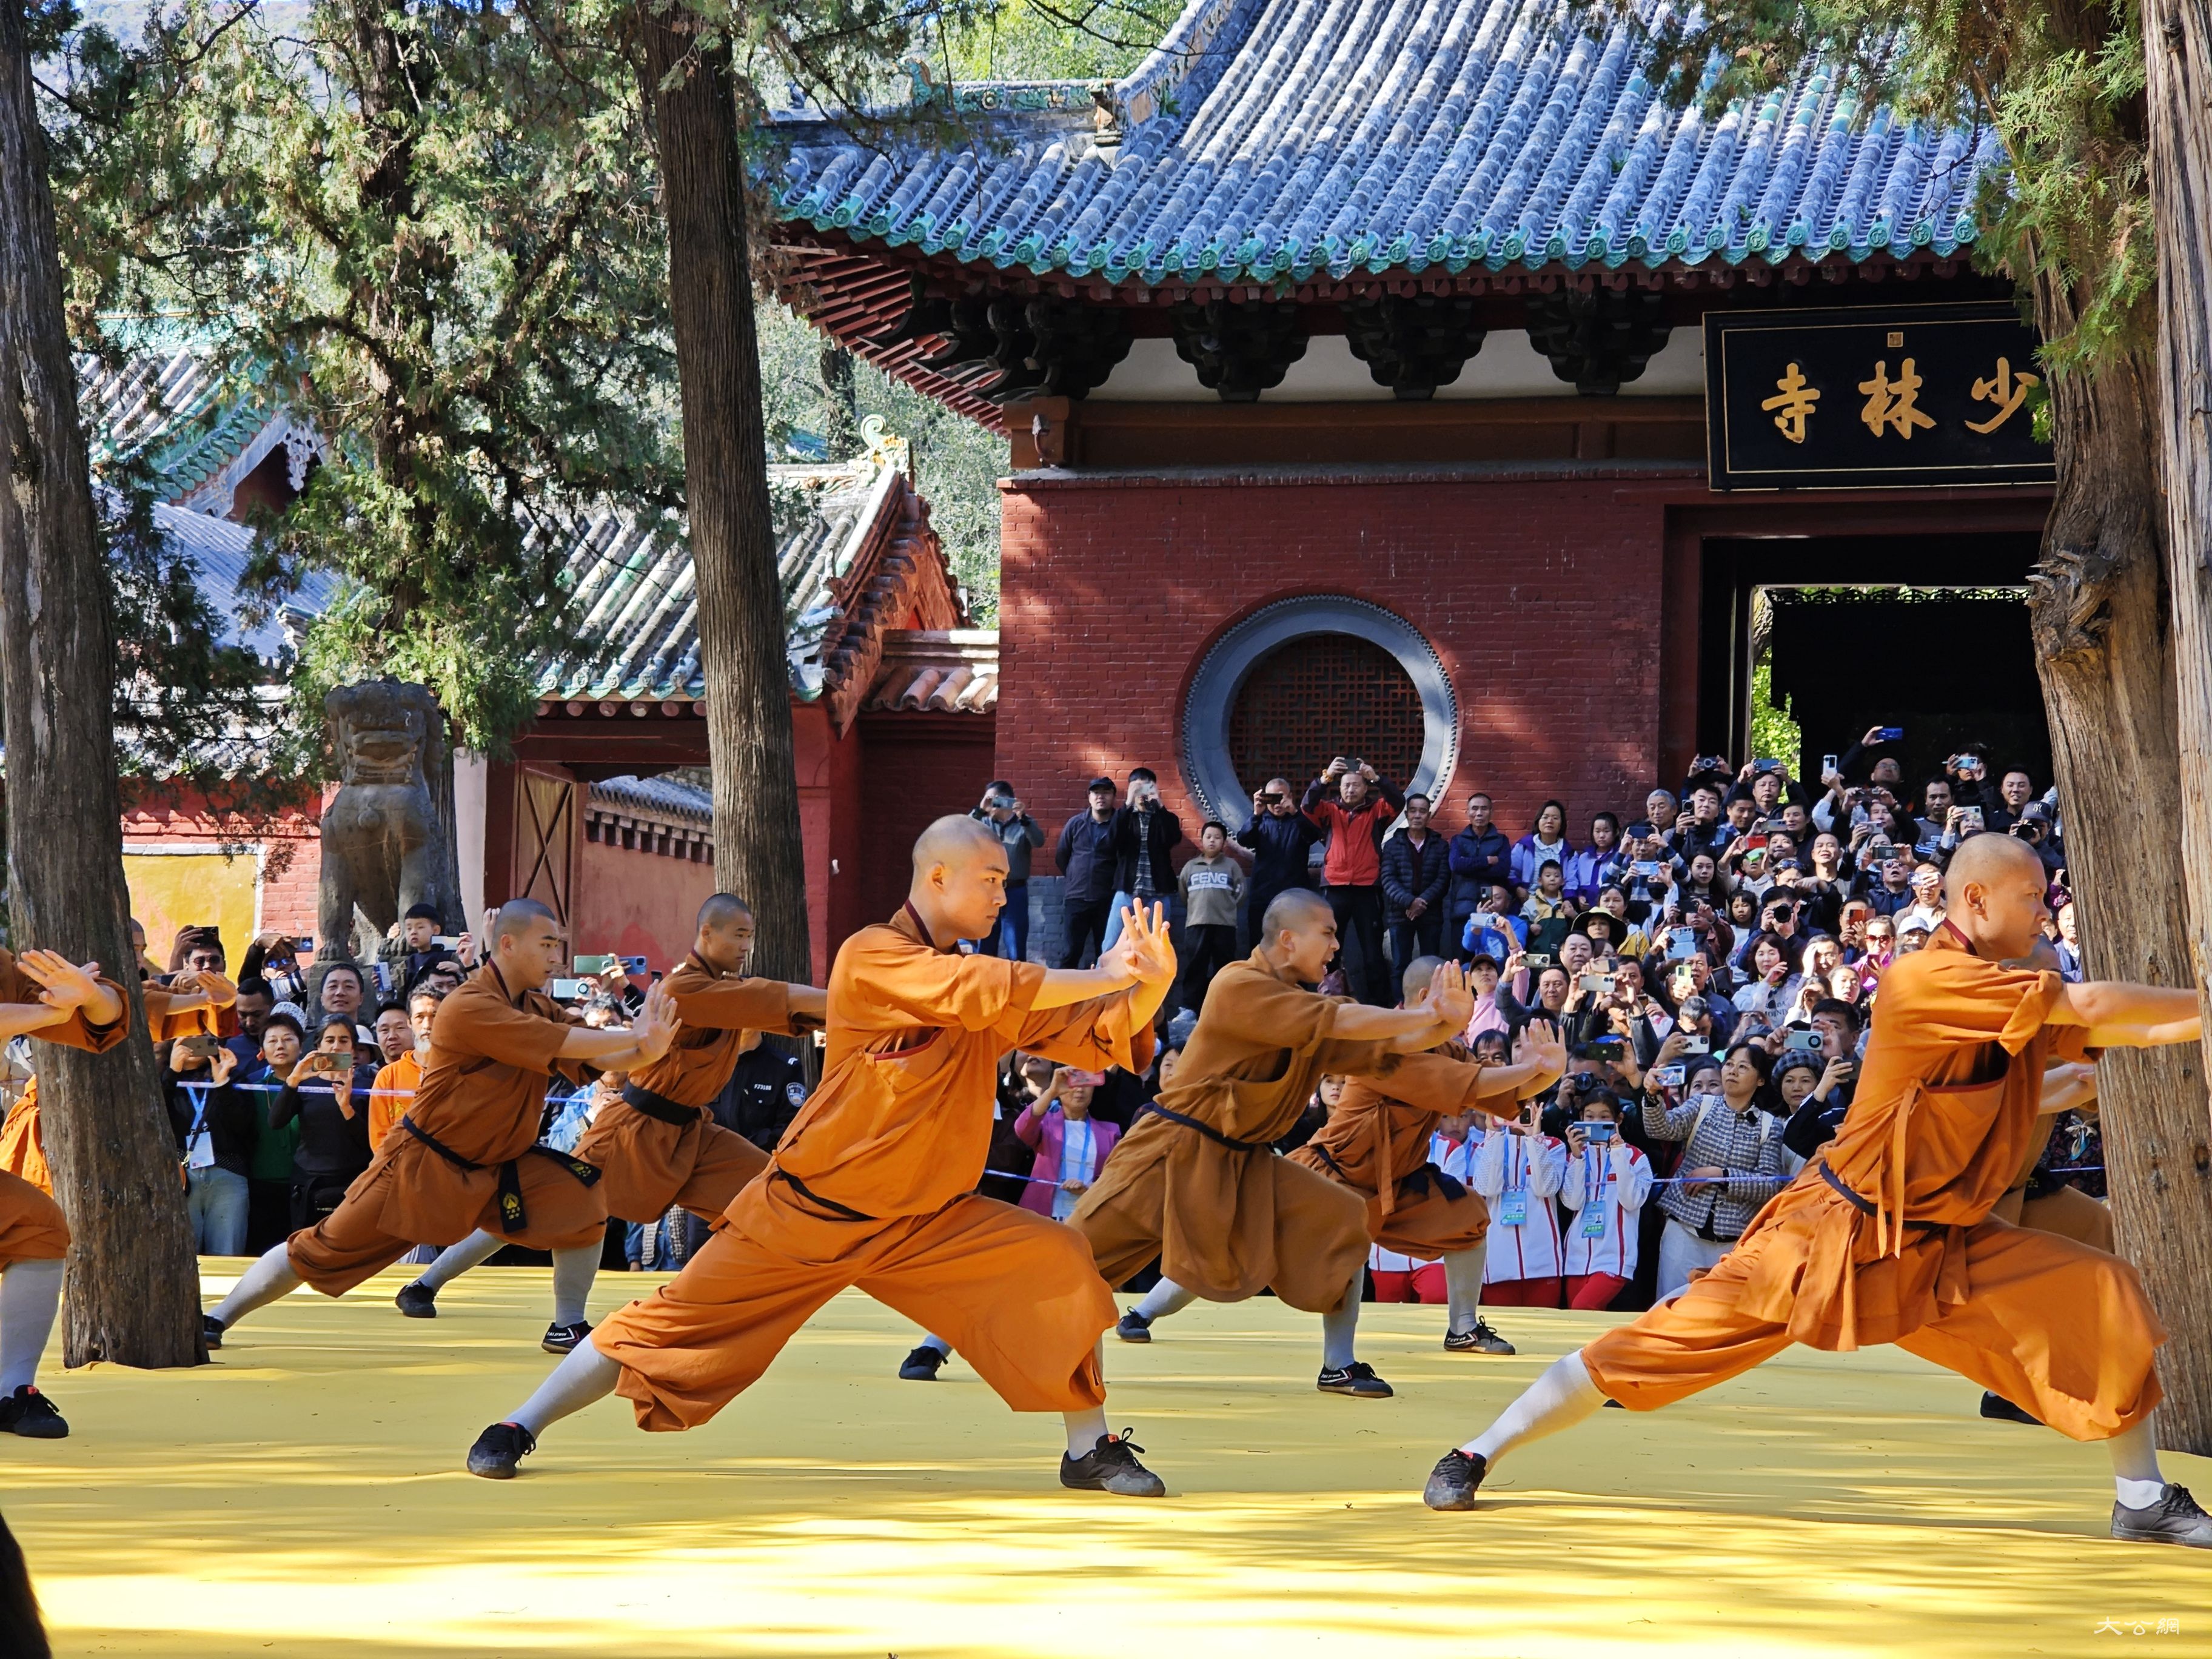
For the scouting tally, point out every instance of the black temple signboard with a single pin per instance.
(1874, 396)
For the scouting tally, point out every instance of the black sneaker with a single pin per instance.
(920, 1366)
(1453, 1482)
(2174, 1519)
(1481, 1339)
(418, 1300)
(1134, 1327)
(2000, 1409)
(211, 1330)
(1358, 1381)
(563, 1338)
(499, 1448)
(31, 1414)
(1111, 1466)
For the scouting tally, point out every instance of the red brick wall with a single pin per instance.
(1543, 601)
(290, 849)
(633, 902)
(919, 768)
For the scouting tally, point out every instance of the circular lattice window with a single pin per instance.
(1303, 680)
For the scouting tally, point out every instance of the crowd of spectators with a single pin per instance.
(1714, 958)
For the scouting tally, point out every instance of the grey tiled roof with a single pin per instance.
(638, 605)
(674, 797)
(1274, 138)
(218, 549)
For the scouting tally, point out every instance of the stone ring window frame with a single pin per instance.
(1212, 699)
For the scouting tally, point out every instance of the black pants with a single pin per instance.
(268, 1215)
(1083, 927)
(1206, 953)
(1360, 942)
(1421, 937)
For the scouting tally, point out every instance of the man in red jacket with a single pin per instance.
(1352, 806)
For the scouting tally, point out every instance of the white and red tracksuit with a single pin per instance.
(1524, 1263)
(1599, 1269)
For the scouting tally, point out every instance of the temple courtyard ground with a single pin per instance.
(304, 1496)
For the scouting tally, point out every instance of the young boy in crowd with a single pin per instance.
(1549, 911)
(1212, 892)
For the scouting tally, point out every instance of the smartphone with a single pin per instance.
(1827, 764)
(199, 1043)
(1695, 1045)
(1804, 1041)
(1890, 734)
(447, 941)
(633, 966)
(1641, 829)
(1645, 868)
(1767, 766)
(592, 965)
(1681, 942)
(1596, 1133)
(1537, 959)
(1088, 1079)
(1600, 983)
(1755, 842)
(1970, 818)
(1670, 1077)
(305, 944)
(1605, 1047)
(567, 990)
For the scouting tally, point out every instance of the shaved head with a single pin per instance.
(1293, 908)
(721, 910)
(1986, 859)
(954, 840)
(1414, 983)
(518, 918)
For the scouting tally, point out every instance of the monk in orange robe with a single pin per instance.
(1887, 1234)
(1196, 1182)
(660, 1146)
(872, 1185)
(465, 1154)
(46, 996)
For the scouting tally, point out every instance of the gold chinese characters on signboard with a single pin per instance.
(1894, 405)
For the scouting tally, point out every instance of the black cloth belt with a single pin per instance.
(514, 1218)
(837, 1211)
(1866, 1205)
(1419, 1181)
(1205, 1129)
(658, 1106)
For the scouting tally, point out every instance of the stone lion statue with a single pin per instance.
(383, 848)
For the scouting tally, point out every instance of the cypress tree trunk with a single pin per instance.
(133, 1286)
(2099, 614)
(2177, 51)
(758, 852)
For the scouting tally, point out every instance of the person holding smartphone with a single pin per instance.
(215, 1125)
(327, 1094)
(1604, 1190)
(1071, 1146)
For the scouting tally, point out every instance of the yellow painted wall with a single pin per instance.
(170, 890)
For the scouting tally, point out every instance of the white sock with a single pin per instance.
(1084, 1430)
(585, 1375)
(2135, 1476)
(573, 1270)
(1463, 1288)
(479, 1247)
(1559, 1399)
(1165, 1298)
(270, 1278)
(1341, 1325)
(931, 1339)
(30, 1291)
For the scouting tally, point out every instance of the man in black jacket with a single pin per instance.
(1085, 856)
(1480, 857)
(1281, 839)
(1144, 834)
(1415, 875)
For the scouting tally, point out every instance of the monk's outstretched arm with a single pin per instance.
(2071, 1083)
(1540, 1059)
(1141, 956)
(1440, 1014)
(2120, 1014)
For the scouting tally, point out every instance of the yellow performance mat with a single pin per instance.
(304, 1494)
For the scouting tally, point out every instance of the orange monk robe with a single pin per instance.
(1946, 1110)
(32, 1227)
(871, 1187)
(478, 1110)
(648, 1162)
(1376, 1142)
(1225, 1215)
(392, 1095)
(217, 1018)
(22, 1144)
